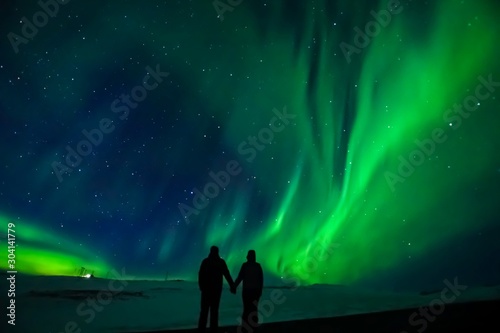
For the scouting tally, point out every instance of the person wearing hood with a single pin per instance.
(253, 282)
(210, 281)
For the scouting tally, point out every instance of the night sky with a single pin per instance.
(339, 158)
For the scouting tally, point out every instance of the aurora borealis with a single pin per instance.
(322, 179)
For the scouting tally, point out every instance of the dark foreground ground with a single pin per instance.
(473, 317)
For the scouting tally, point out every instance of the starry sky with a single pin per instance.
(348, 146)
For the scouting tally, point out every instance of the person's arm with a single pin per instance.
(240, 276)
(202, 276)
(227, 275)
(261, 280)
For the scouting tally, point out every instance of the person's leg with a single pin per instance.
(214, 312)
(253, 318)
(246, 308)
(202, 322)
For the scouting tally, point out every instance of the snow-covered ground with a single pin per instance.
(67, 304)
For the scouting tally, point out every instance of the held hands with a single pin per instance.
(233, 289)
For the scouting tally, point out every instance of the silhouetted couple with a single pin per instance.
(212, 269)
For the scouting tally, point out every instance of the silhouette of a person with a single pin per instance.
(253, 282)
(212, 269)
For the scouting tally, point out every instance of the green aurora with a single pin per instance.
(326, 178)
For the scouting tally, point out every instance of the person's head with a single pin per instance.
(251, 256)
(214, 251)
